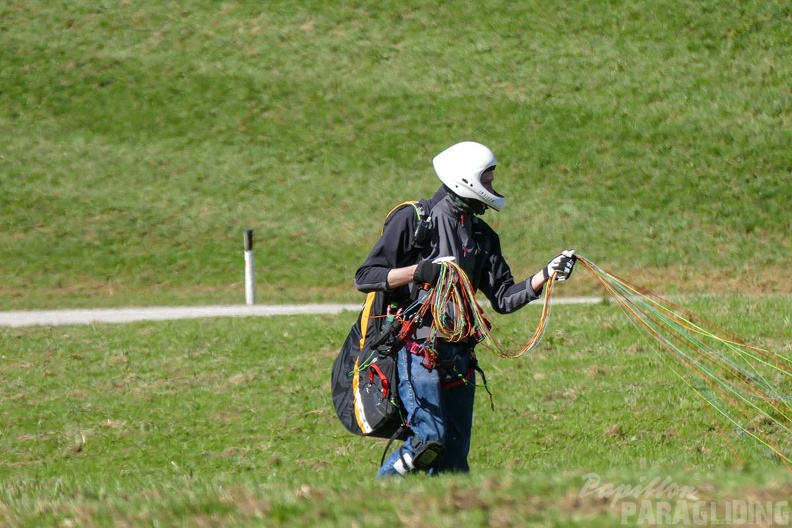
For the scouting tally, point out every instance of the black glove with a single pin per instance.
(562, 265)
(427, 272)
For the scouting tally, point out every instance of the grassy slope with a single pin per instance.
(140, 139)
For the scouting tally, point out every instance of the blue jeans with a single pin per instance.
(435, 413)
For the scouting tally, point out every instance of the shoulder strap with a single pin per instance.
(419, 210)
(422, 230)
(365, 314)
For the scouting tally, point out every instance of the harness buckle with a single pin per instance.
(429, 355)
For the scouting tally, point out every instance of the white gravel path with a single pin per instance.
(127, 315)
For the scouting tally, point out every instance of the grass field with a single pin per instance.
(139, 140)
(228, 422)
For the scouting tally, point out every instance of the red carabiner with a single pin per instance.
(382, 377)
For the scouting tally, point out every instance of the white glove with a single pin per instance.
(561, 265)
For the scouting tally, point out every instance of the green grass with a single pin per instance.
(229, 422)
(141, 138)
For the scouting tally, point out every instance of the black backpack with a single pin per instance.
(364, 378)
(364, 374)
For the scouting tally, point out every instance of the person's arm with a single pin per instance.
(384, 269)
(538, 282)
(504, 293)
(497, 282)
(400, 276)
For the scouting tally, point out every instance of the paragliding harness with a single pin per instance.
(364, 376)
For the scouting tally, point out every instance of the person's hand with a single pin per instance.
(562, 265)
(427, 272)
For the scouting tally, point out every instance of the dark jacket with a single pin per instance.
(474, 244)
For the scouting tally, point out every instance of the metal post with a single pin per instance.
(250, 271)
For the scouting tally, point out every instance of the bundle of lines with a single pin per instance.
(457, 316)
(747, 388)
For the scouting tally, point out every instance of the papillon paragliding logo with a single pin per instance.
(660, 501)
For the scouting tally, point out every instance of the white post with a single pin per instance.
(250, 271)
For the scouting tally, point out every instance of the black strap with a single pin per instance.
(484, 381)
(402, 428)
(423, 229)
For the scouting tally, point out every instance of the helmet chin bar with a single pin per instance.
(469, 204)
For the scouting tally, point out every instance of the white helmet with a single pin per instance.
(460, 168)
